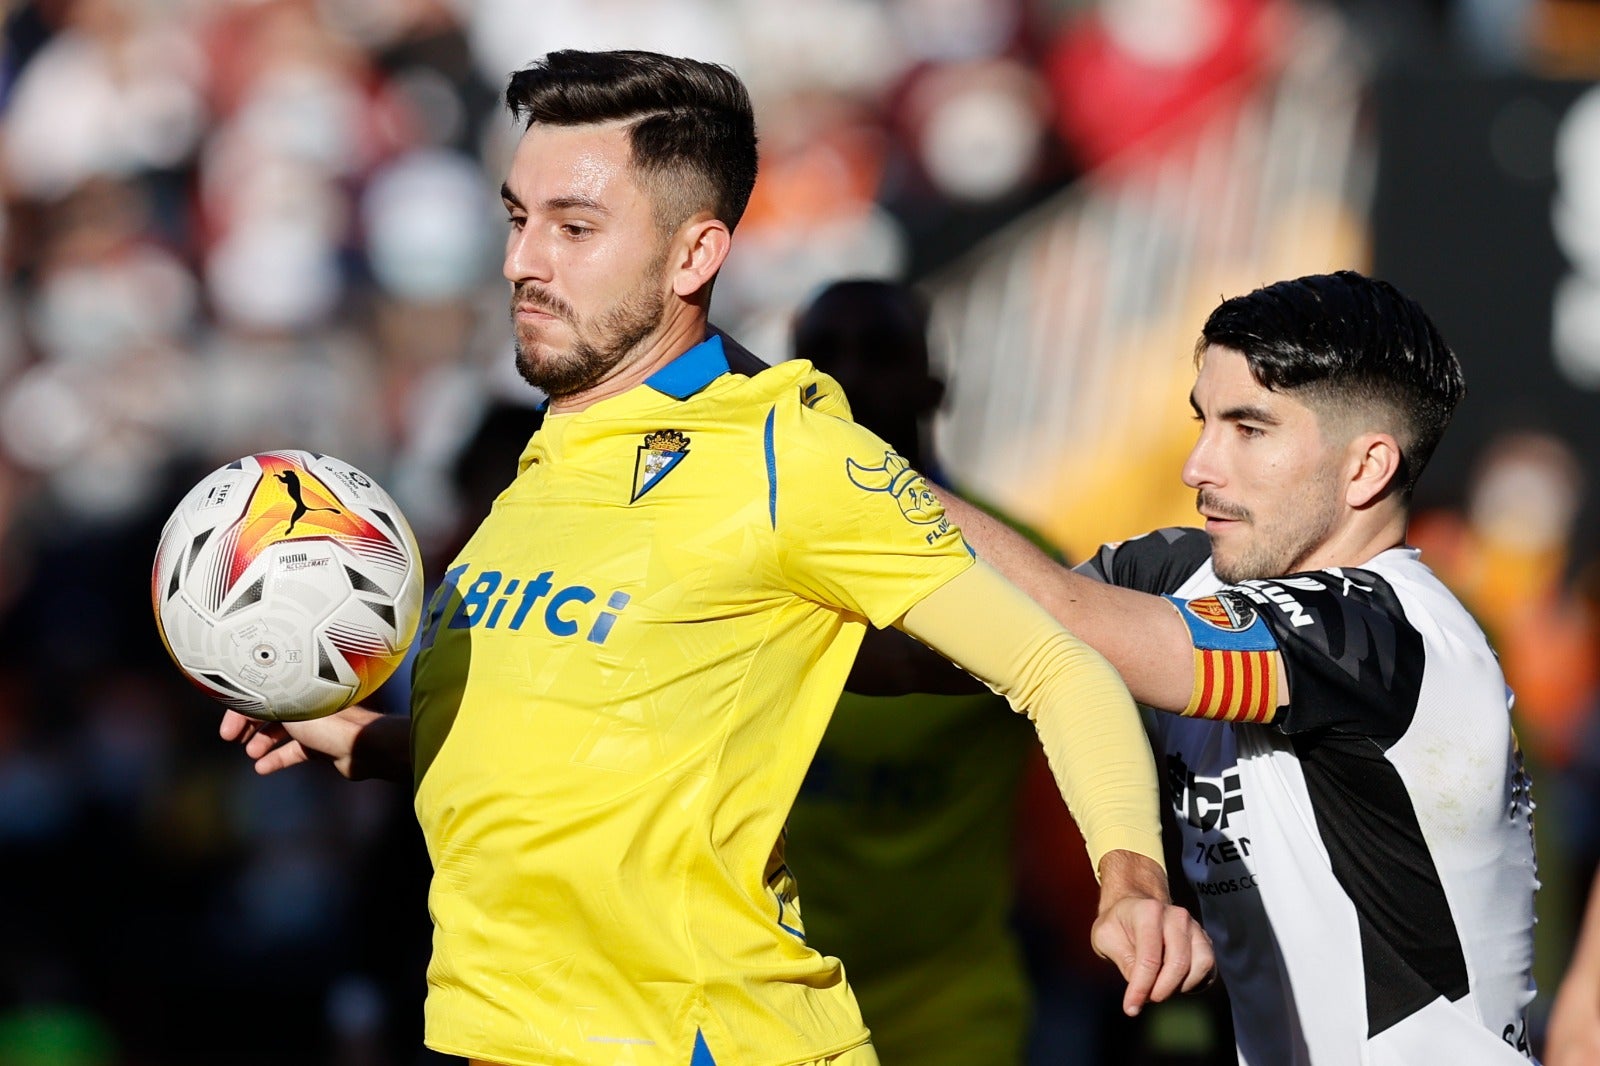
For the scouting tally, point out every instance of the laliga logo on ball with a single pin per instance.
(287, 585)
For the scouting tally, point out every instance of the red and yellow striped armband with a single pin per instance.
(1236, 661)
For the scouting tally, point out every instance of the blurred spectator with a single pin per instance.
(900, 836)
(230, 226)
(1510, 557)
(1168, 65)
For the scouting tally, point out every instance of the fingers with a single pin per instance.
(268, 744)
(1130, 935)
(1202, 960)
(1159, 948)
(281, 757)
(268, 735)
(1176, 954)
(234, 725)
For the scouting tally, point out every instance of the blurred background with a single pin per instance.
(236, 225)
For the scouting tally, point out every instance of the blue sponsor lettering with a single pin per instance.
(483, 605)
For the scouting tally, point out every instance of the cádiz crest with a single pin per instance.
(662, 450)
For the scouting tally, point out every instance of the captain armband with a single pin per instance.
(1236, 659)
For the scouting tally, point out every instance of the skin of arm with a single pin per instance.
(1574, 1034)
(1101, 760)
(1142, 635)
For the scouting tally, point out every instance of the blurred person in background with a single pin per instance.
(615, 844)
(923, 788)
(1355, 816)
(911, 797)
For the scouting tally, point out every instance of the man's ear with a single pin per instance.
(698, 251)
(1373, 468)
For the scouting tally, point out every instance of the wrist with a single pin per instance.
(1127, 873)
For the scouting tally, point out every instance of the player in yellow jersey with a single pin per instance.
(629, 665)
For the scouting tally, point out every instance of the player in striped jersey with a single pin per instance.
(1354, 815)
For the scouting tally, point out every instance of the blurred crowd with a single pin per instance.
(235, 225)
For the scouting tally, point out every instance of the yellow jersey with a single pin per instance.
(623, 680)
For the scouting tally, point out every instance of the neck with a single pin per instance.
(679, 332)
(1360, 541)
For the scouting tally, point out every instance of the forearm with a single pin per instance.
(1086, 720)
(381, 748)
(1142, 635)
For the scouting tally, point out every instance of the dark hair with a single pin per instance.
(1346, 340)
(692, 132)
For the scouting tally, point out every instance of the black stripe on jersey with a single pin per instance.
(1158, 562)
(1355, 669)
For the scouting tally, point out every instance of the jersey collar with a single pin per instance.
(691, 371)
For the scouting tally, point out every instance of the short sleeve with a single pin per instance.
(856, 526)
(1354, 662)
(1158, 562)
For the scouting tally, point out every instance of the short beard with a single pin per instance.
(618, 333)
(1261, 560)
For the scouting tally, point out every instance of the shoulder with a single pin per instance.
(1354, 655)
(1322, 604)
(1158, 562)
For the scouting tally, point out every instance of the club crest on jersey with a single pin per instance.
(1223, 611)
(661, 452)
(908, 488)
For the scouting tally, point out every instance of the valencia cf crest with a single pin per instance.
(1224, 610)
(659, 455)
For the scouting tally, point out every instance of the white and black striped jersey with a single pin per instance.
(1364, 862)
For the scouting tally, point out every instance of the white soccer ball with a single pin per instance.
(287, 585)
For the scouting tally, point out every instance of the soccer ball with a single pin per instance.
(287, 585)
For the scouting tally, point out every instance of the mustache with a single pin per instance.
(542, 299)
(1209, 504)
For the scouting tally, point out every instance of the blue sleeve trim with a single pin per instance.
(1224, 621)
(772, 470)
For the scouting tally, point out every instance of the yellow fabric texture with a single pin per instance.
(1085, 718)
(604, 799)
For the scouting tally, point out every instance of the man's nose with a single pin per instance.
(526, 258)
(1200, 468)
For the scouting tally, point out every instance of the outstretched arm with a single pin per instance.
(360, 743)
(1142, 635)
(1099, 756)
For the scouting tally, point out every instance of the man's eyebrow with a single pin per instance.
(584, 203)
(557, 203)
(1249, 412)
(1245, 412)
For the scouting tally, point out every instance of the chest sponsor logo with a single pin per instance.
(658, 456)
(906, 487)
(1206, 805)
(494, 601)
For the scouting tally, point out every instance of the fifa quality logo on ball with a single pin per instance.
(287, 585)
